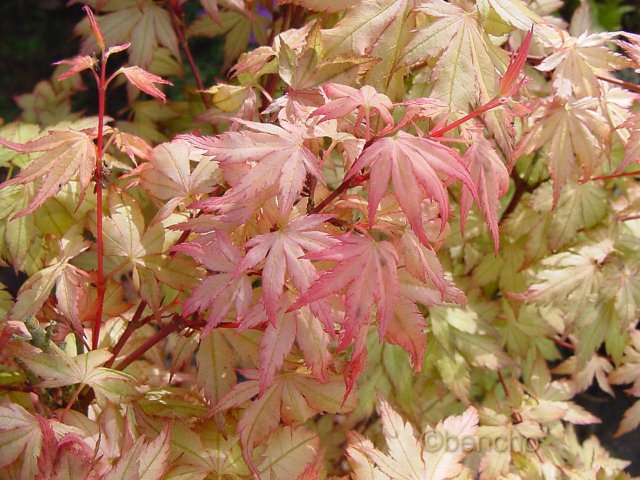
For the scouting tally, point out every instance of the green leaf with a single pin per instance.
(216, 366)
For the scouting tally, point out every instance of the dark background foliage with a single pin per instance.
(35, 33)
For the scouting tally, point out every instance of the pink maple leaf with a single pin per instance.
(144, 81)
(223, 288)
(368, 271)
(282, 162)
(345, 100)
(492, 181)
(413, 165)
(282, 251)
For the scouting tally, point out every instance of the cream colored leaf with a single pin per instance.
(288, 452)
(574, 136)
(360, 28)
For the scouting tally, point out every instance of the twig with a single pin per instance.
(151, 342)
(313, 181)
(495, 102)
(563, 343)
(504, 385)
(620, 83)
(343, 187)
(521, 188)
(102, 90)
(132, 326)
(72, 400)
(177, 20)
(617, 175)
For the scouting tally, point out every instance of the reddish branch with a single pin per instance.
(177, 20)
(617, 175)
(102, 91)
(132, 326)
(343, 187)
(521, 187)
(151, 342)
(620, 83)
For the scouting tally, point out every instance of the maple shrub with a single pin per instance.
(394, 241)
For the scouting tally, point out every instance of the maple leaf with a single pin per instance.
(514, 12)
(629, 372)
(293, 397)
(581, 206)
(630, 420)
(596, 367)
(131, 145)
(19, 235)
(77, 65)
(491, 178)
(422, 262)
(412, 165)
(409, 458)
(254, 61)
(20, 434)
(216, 364)
(572, 274)
(368, 271)
(141, 22)
(632, 147)
(37, 288)
(281, 251)
(632, 48)
(66, 153)
(629, 369)
(407, 330)
(72, 460)
(168, 175)
(464, 67)
(143, 80)
(282, 162)
(143, 461)
(359, 30)
(572, 132)
(224, 287)
(466, 60)
(345, 99)
(130, 244)
(289, 452)
(387, 74)
(211, 7)
(509, 84)
(57, 369)
(95, 28)
(578, 61)
(278, 338)
(304, 66)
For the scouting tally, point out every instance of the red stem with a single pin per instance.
(617, 175)
(476, 113)
(102, 90)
